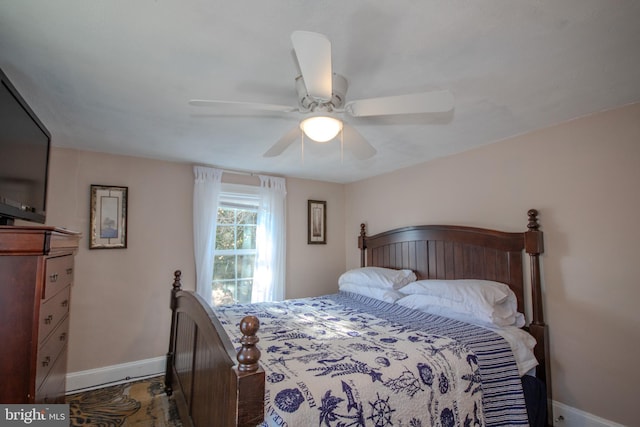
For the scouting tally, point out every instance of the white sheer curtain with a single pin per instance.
(269, 274)
(206, 192)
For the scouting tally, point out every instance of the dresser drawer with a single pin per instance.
(58, 275)
(49, 351)
(52, 311)
(53, 388)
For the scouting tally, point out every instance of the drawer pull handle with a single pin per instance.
(69, 271)
(63, 336)
(65, 303)
(53, 277)
(46, 361)
(48, 319)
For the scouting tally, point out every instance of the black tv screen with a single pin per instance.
(24, 158)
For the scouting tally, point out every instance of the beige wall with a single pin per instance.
(314, 269)
(119, 309)
(583, 177)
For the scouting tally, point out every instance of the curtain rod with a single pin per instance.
(240, 172)
(237, 172)
(246, 173)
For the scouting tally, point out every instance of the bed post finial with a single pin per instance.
(249, 355)
(175, 287)
(362, 244)
(533, 220)
(177, 282)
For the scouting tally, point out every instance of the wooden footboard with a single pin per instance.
(211, 383)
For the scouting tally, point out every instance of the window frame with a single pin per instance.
(242, 197)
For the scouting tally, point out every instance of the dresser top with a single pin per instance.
(36, 240)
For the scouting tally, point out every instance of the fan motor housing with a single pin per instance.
(308, 103)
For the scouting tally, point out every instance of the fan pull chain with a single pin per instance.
(342, 145)
(302, 146)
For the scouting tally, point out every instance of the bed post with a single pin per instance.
(249, 384)
(534, 247)
(168, 377)
(362, 244)
(538, 328)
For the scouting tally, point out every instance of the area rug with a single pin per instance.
(141, 404)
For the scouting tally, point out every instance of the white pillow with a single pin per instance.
(471, 311)
(378, 277)
(462, 289)
(387, 295)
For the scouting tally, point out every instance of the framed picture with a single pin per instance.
(317, 222)
(108, 213)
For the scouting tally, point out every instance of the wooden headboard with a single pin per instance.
(458, 252)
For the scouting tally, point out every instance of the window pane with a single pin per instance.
(226, 216)
(244, 290)
(246, 237)
(224, 267)
(222, 294)
(225, 237)
(245, 265)
(247, 217)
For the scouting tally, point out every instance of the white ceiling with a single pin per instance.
(116, 76)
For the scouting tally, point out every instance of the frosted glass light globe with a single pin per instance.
(321, 128)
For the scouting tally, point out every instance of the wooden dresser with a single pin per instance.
(36, 274)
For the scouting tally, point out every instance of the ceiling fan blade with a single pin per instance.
(356, 143)
(416, 103)
(245, 105)
(313, 51)
(289, 138)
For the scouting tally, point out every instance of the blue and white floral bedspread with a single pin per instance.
(348, 360)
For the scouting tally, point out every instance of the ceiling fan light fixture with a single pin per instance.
(321, 128)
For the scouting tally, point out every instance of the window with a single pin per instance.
(235, 248)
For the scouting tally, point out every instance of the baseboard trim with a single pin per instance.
(115, 374)
(567, 416)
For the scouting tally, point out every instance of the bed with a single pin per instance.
(219, 372)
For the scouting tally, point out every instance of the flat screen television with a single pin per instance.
(24, 158)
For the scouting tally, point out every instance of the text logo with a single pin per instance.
(34, 415)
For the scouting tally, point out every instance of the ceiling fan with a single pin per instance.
(321, 98)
